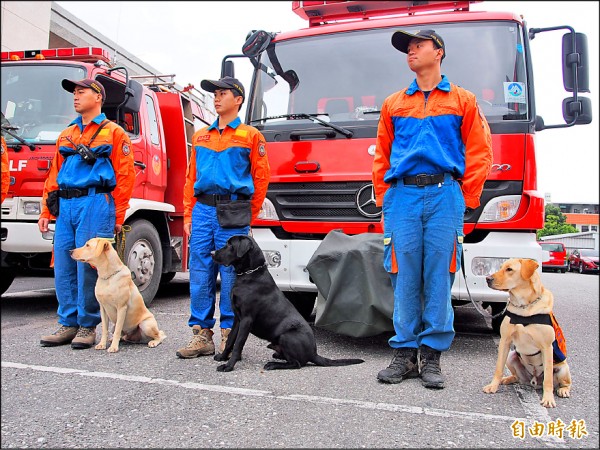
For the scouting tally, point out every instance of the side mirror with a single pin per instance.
(582, 109)
(256, 43)
(133, 92)
(577, 56)
(227, 69)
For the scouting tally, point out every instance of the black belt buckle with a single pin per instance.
(422, 180)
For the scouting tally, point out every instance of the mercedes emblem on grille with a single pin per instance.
(365, 201)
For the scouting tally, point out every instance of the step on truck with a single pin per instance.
(316, 93)
(160, 118)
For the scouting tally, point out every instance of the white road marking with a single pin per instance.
(258, 393)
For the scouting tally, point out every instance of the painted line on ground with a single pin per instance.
(390, 407)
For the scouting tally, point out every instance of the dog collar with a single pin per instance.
(111, 275)
(249, 271)
(526, 306)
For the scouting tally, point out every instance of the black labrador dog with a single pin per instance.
(260, 308)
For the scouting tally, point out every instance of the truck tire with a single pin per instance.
(143, 256)
(304, 302)
(8, 276)
(497, 321)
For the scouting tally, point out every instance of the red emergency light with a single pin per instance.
(321, 12)
(88, 54)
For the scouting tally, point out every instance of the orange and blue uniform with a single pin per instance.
(228, 164)
(5, 170)
(432, 158)
(92, 199)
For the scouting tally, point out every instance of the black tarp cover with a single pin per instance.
(355, 292)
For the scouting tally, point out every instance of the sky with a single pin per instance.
(191, 38)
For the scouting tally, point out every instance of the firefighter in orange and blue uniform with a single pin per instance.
(93, 193)
(432, 158)
(228, 162)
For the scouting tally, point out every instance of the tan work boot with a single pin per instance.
(86, 337)
(200, 345)
(224, 335)
(64, 335)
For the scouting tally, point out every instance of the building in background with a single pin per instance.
(583, 216)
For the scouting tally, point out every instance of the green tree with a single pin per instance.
(555, 222)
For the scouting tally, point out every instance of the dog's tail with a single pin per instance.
(326, 362)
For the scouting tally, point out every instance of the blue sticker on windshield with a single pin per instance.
(514, 92)
(520, 48)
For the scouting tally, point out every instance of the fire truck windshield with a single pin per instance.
(34, 102)
(348, 75)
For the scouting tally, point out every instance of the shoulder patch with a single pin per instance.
(126, 149)
(262, 151)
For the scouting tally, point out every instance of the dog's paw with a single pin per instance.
(563, 392)
(548, 401)
(491, 388)
(224, 368)
(271, 365)
(112, 349)
(100, 347)
(154, 343)
(511, 379)
(220, 357)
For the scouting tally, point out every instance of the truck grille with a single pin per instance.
(334, 201)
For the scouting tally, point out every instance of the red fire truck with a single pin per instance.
(160, 119)
(316, 93)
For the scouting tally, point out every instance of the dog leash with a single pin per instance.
(120, 242)
(479, 309)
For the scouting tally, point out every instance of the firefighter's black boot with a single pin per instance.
(403, 365)
(431, 372)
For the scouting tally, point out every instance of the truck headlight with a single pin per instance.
(267, 211)
(482, 267)
(31, 208)
(501, 209)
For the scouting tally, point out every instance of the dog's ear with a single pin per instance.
(243, 246)
(528, 268)
(99, 247)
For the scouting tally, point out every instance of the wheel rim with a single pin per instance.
(141, 263)
(580, 268)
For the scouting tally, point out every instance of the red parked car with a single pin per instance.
(584, 260)
(558, 256)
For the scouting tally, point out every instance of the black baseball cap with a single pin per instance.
(96, 86)
(401, 39)
(223, 83)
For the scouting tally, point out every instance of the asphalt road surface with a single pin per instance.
(148, 398)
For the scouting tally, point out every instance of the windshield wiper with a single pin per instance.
(315, 117)
(7, 129)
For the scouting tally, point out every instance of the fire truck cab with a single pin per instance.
(160, 121)
(316, 95)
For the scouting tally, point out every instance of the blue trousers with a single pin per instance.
(207, 235)
(423, 232)
(79, 220)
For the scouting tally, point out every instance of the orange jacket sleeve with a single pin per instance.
(51, 184)
(5, 171)
(260, 171)
(381, 160)
(477, 137)
(122, 160)
(188, 189)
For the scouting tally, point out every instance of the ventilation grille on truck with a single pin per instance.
(339, 202)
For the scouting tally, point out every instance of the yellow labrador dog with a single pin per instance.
(119, 298)
(539, 355)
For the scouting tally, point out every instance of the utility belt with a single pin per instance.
(233, 210)
(76, 193)
(214, 199)
(424, 179)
